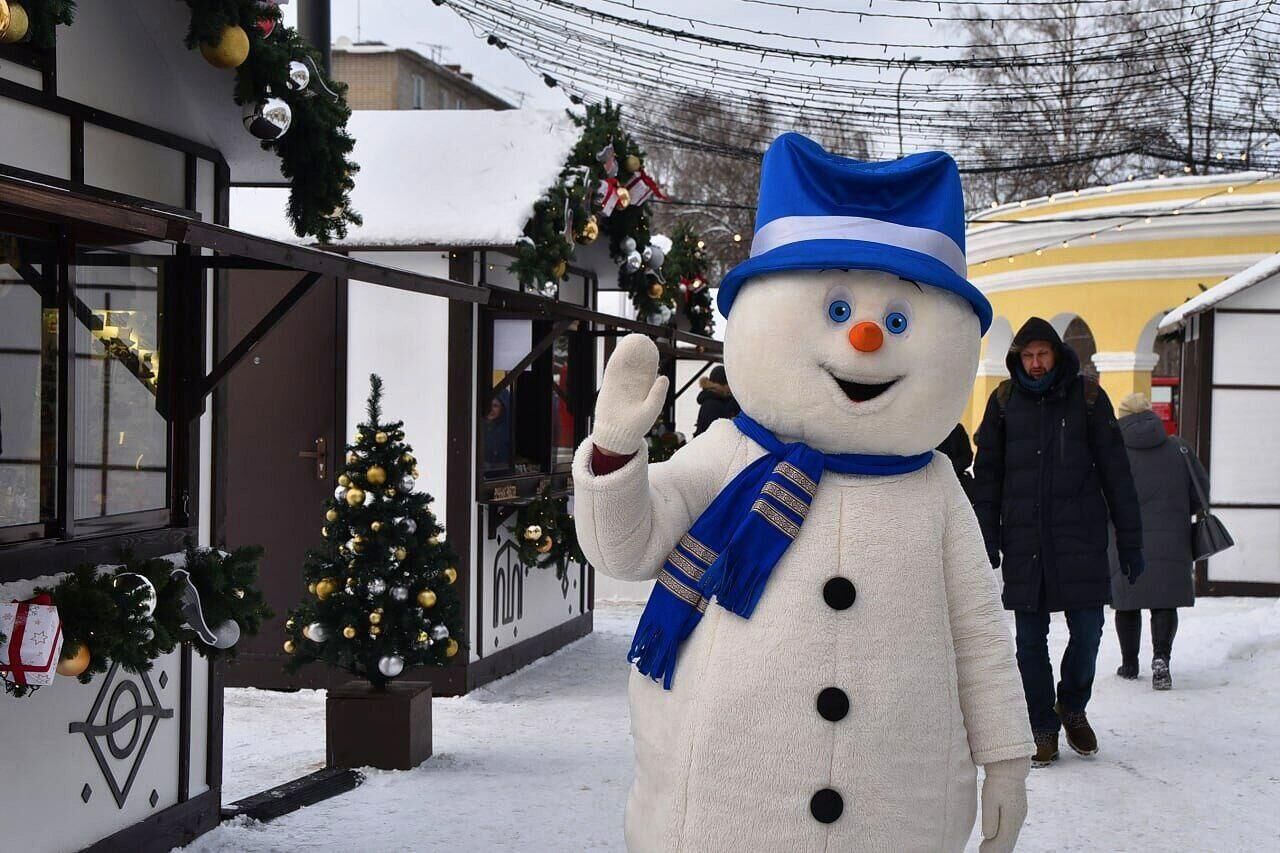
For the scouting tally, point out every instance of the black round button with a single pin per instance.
(833, 704)
(839, 593)
(826, 806)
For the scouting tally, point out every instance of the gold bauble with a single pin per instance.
(451, 573)
(533, 532)
(433, 539)
(78, 662)
(414, 471)
(401, 553)
(375, 630)
(381, 438)
(349, 632)
(655, 290)
(357, 544)
(359, 438)
(306, 632)
(290, 646)
(351, 582)
(545, 545)
(632, 163)
(324, 531)
(451, 649)
(331, 515)
(344, 480)
(376, 526)
(376, 475)
(325, 588)
(375, 618)
(590, 231)
(407, 459)
(355, 497)
(423, 638)
(559, 270)
(230, 51)
(311, 588)
(290, 624)
(352, 458)
(391, 493)
(427, 598)
(624, 197)
(14, 32)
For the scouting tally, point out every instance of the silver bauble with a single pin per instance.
(316, 632)
(368, 498)
(653, 257)
(439, 632)
(299, 76)
(406, 483)
(633, 262)
(408, 525)
(550, 289)
(391, 665)
(350, 545)
(228, 634)
(377, 586)
(129, 581)
(269, 120)
(663, 315)
(340, 493)
(629, 245)
(399, 593)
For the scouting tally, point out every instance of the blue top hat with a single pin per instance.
(820, 211)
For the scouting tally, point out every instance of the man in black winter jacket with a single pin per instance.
(1051, 467)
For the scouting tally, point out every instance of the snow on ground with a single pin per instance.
(541, 761)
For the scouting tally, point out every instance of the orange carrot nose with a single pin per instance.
(866, 337)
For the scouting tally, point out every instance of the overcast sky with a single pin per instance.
(439, 32)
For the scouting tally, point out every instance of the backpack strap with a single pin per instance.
(1091, 391)
(1003, 392)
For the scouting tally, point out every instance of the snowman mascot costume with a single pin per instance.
(823, 662)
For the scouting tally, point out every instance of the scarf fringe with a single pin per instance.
(742, 582)
(666, 623)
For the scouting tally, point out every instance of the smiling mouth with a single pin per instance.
(861, 392)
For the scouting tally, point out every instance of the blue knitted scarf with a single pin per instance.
(732, 548)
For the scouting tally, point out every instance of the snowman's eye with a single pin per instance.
(896, 322)
(839, 311)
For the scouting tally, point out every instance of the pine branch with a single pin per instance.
(374, 409)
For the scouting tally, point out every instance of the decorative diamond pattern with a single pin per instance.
(85, 793)
(153, 798)
(164, 680)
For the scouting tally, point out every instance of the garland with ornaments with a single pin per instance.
(686, 266)
(289, 103)
(547, 535)
(131, 614)
(603, 189)
(380, 591)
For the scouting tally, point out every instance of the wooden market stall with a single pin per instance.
(495, 395)
(1230, 414)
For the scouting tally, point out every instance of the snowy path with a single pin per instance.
(541, 761)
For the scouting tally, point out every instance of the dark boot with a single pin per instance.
(1160, 678)
(1128, 670)
(1046, 749)
(1080, 736)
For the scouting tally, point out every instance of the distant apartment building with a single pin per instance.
(382, 77)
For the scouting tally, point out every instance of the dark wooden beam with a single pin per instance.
(538, 349)
(295, 794)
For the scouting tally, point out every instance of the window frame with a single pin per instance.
(27, 550)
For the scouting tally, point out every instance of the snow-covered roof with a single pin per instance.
(1256, 274)
(435, 177)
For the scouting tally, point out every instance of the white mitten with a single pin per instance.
(631, 397)
(1004, 804)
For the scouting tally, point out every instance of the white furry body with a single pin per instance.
(729, 758)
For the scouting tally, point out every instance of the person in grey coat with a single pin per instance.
(1166, 493)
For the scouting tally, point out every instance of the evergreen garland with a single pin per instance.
(686, 268)
(105, 611)
(546, 534)
(382, 584)
(314, 153)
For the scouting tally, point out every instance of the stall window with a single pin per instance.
(28, 382)
(84, 446)
(121, 441)
(531, 425)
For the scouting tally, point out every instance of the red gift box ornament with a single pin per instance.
(33, 640)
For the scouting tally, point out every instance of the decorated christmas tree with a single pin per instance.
(685, 266)
(381, 594)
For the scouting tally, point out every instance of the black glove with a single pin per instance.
(993, 554)
(1132, 565)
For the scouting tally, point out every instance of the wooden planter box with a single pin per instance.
(389, 729)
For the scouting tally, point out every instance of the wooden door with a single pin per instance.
(280, 402)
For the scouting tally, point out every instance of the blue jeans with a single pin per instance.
(1078, 664)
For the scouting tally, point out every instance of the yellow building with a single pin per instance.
(1105, 264)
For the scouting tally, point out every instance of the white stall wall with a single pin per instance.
(403, 337)
(1254, 557)
(1244, 446)
(1237, 340)
(520, 601)
(43, 146)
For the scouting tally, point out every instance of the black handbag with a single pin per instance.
(1209, 535)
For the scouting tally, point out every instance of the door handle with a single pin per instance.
(320, 456)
